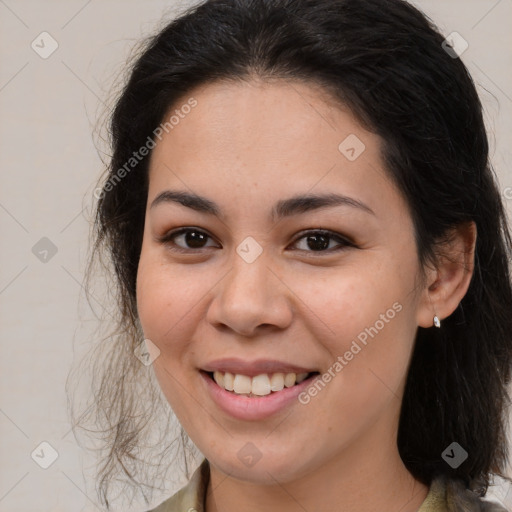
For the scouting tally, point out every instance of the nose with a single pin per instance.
(251, 297)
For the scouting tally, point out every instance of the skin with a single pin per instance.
(245, 146)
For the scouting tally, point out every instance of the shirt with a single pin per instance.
(442, 497)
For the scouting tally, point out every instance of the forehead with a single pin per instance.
(261, 116)
(269, 140)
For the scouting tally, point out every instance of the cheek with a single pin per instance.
(171, 306)
(164, 300)
(347, 300)
(363, 315)
(165, 309)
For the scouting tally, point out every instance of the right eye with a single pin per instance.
(193, 237)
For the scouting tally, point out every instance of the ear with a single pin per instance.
(447, 283)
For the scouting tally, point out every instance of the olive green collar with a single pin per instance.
(440, 498)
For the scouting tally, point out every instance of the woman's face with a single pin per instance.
(253, 289)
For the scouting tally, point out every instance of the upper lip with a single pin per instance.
(253, 368)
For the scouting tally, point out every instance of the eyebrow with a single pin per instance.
(283, 208)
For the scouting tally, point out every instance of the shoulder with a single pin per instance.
(461, 499)
(189, 498)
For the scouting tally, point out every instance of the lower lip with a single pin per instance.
(252, 408)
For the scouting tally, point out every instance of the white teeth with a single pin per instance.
(228, 381)
(260, 385)
(219, 378)
(301, 377)
(277, 382)
(242, 384)
(289, 380)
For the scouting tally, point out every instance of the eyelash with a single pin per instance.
(345, 243)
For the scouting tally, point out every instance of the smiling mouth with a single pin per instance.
(260, 385)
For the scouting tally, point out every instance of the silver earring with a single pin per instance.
(437, 322)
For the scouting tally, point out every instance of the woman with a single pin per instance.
(308, 236)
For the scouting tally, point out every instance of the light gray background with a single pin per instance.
(49, 165)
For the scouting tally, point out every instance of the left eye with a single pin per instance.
(317, 241)
(320, 240)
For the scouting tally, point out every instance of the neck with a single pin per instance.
(372, 479)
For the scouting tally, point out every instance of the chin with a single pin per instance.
(265, 471)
